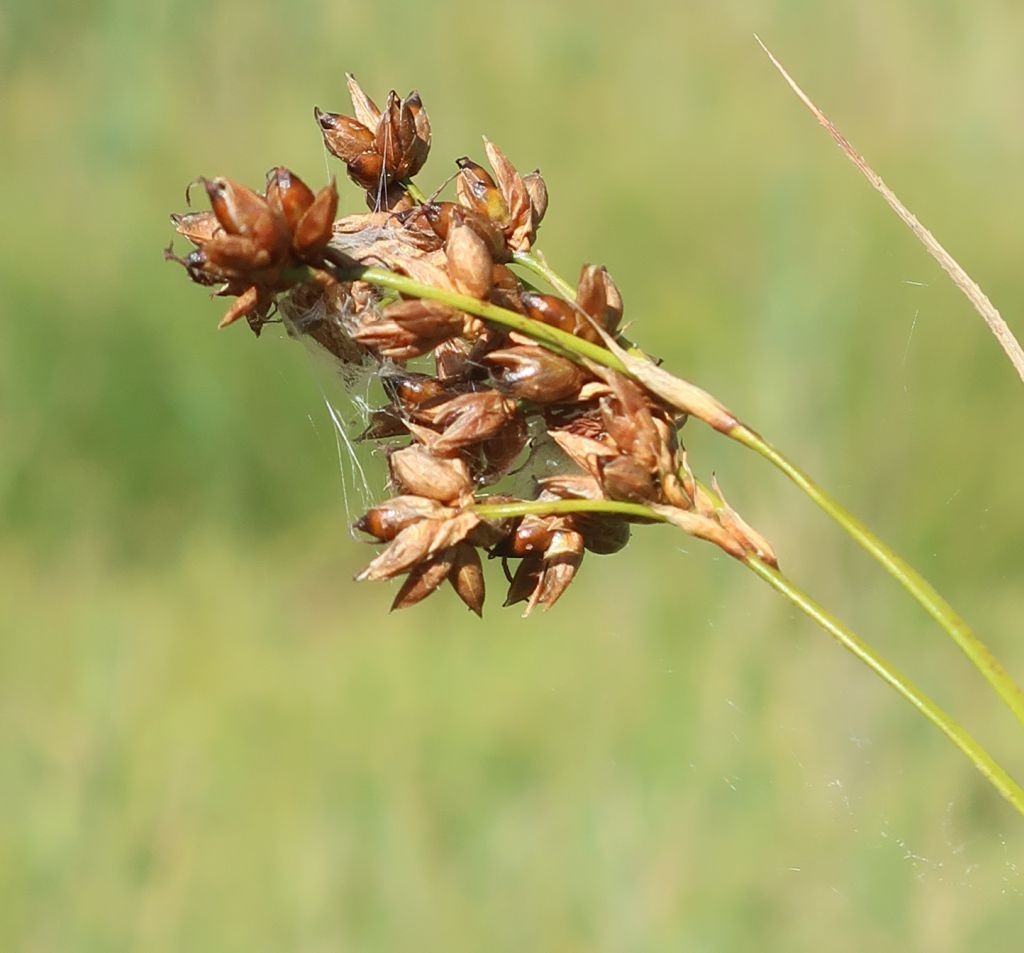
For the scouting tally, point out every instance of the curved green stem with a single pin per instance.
(994, 773)
(908, 577)
(912, 581)
(538, 264)
(952, 729)
(576, 349)
(568, 345)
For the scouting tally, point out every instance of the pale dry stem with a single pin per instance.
(961, 279)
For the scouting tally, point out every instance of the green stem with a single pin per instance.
(576, 349)
(911, 580)
(568, 345)
(930, 709)
(956, 733)
(414, 191)
(502, 511)
(538, 264)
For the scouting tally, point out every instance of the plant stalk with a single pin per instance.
(909, 578)
(993, 772)
(580, 351)
(538, 264)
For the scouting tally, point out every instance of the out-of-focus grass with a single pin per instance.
(212, 739)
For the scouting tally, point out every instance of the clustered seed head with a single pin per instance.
(482, 401)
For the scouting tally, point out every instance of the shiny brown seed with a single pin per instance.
(529, 535)
(535, 374)
(386, 520)
(551, 310)
(411, 389)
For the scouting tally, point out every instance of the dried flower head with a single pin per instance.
(484, 400)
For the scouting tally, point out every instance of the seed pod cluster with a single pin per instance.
(481, 402)
(378, 146)
(248, 243)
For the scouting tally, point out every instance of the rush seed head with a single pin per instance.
(484, 400)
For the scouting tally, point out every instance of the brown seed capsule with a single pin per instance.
(424, 579)
(519, 226)
(571, 486)
(288, 196)
(440, 216)
(315, 229)
(419, 148)
(241, 211)
(416, 470)
(628, 420)
(367, 170)
(561, 563)
(526, 580)
(535, 374)
(419, 542)
(411, 389)
(599, 297)
(625, 479)
(530, 535)
(469, 262)
(502, 450)
(476, 190)
(424, 317)
(236, 256)
(466, 419)
(538, 192)
(386, 520)
(344, 137)
(505, 289)
(391, 340)
(551, 310)
(467, 577)
(388, 135)
(393, 198)
(602, 535)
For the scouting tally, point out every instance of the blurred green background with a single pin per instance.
(212, 739)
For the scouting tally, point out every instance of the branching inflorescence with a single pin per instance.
(483, 375)
(490, 399)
